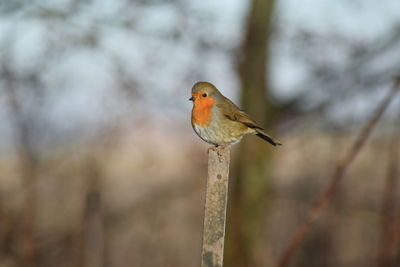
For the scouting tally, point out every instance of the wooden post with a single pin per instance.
(212, 254)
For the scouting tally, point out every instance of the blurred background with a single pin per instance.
(99, 165)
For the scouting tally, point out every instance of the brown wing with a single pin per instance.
(232, 112)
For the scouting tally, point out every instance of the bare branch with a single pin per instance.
(326, 195)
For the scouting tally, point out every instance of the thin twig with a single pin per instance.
(326, 195)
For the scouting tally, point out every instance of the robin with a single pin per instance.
(218, 121)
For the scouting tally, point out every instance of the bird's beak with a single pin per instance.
(191, 99)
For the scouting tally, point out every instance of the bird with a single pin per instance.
(218, 121)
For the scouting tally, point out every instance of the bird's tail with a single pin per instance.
(267, 138)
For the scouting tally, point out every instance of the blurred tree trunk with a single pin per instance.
(388, 251)
(28, 170)
(93, 227)
(250, 184)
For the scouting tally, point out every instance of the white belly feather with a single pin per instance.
(215, 137)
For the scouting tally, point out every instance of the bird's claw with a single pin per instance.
(219, 149)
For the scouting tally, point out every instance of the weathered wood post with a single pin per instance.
(212, 254)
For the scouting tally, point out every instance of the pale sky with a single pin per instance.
(83, 80)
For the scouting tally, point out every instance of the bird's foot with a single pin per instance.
(219, 150)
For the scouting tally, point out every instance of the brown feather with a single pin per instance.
(268, 138)
(232, 112)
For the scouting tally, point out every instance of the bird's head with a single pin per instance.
(204, 93)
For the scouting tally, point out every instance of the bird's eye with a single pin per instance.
(204, 95)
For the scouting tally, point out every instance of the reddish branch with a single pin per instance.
(326, 195)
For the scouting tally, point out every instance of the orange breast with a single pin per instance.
(201, 113)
